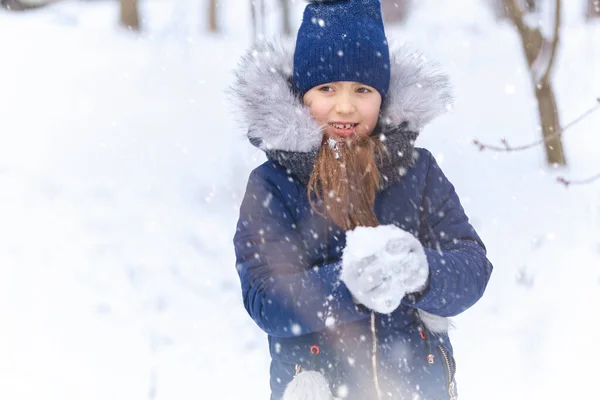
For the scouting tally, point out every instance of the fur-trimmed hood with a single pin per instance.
(277, 120)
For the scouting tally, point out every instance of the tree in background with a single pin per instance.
(24, 5)
(129, 15)
(500, 11)
(540, 53)
(258, 14)
(395, 11)
(531, 5)
(543, 52)
(212, 16)
(285, 15)
(592, 10)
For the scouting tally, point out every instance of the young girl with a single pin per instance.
(352, 246)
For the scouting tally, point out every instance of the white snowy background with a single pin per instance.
(122, 169)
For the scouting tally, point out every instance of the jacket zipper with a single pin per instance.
(450, 373)
(374, 356)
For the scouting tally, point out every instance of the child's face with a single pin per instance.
(344, 109)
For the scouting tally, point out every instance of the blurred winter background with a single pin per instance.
(122, 169)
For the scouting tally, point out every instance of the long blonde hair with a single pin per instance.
(345, 180)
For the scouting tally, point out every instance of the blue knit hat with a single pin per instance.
(342, 40)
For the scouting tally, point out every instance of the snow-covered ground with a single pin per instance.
(122, 168)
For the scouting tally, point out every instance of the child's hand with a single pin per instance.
(381, 265)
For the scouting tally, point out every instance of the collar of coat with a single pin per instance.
(279, 124)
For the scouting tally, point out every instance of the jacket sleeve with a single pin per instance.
(283, 294)
(458, 267)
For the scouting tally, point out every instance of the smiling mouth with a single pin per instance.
(343, 126)
(343, 129)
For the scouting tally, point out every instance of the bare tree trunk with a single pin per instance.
(263, 16)
(212, 16)
(500, 11)
(548, 113)
(285, 14)
(395, 11)
(254, 24)
(129, 14)
(536, 49)
(531, 5)
(258, 13)
(592, 10)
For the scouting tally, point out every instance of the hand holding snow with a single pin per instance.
(381, 265)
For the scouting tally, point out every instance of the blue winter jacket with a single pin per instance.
(289, 263)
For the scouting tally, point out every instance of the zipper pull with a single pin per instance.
(422, 332)
(315, 350)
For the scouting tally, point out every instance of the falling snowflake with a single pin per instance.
(296, 330)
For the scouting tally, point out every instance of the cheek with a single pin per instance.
(370, 117)
(319, 112)
(374, 116)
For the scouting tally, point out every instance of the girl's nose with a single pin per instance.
(344, 105)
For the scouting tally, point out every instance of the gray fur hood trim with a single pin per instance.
(277, 120)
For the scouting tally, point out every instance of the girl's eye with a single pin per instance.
(363, 90)
(326, 89)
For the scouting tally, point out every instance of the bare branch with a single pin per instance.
(557, 22)
(506, 147)
(568, 182)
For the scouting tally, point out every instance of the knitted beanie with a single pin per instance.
(342, 40)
